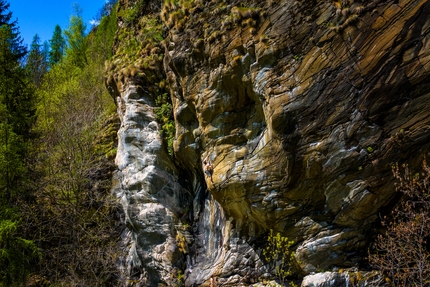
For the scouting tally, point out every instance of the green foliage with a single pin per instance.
(179, 276)
(164, 115)
(152, 30)
(138, 51)
(77, 42)
(37, 60)
(72, 217)
(73, 213)
(15, 47)
(17, 101)
(104, 35)
(12, 163)
(278, 253)
(57, 46)
(16, 253)
(130, 15)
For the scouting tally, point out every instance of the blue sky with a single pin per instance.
(41, 16)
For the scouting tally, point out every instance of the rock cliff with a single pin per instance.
(301, 106)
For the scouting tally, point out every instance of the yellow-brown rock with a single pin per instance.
(302, 117)
(302, 107)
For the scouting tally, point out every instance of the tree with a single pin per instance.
(16, 100)
(402, 253)
(58, 44)
(77, 43)
(37, 61)
(73, 219)
(18, 50)
(16, 117)
(45, 55)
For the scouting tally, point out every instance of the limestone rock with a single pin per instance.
(326, 279)
(341, 279)
(302, 110)
(149, 191)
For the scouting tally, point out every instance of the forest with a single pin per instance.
(58, 221)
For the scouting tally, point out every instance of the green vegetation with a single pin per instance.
(57, 45)
(138, 51)
(139, 56)
(279, 255)
(164, 114)
(76, 40)
(73, 217)
(17, 106)
(37, 60)
(58, 222)
(130, 14)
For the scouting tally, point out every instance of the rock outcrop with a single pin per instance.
(302, 107)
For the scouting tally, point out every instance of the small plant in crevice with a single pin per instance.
(279, 255)
(164, 115)
(180, 277)
(181, 242)
(347, 12)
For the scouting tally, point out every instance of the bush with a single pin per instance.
(164, 115)
(401, 253)
(278, 253)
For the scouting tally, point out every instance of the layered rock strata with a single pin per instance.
(301, 106)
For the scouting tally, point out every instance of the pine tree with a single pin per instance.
(36, 61)
(16, 117)
(45, 54)
(58, 45)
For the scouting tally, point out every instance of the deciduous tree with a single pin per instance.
(76, 42)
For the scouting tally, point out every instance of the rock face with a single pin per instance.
(149, 191)
(341, 279)
(302, 107)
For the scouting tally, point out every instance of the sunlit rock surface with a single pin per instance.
(149, 191)
(302, 106)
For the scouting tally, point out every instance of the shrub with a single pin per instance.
(279, 255)
(164, 115)
(401, 253)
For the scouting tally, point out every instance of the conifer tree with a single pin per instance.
(57, 46)
(16, 117)
(45, 54)
(36, 61)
